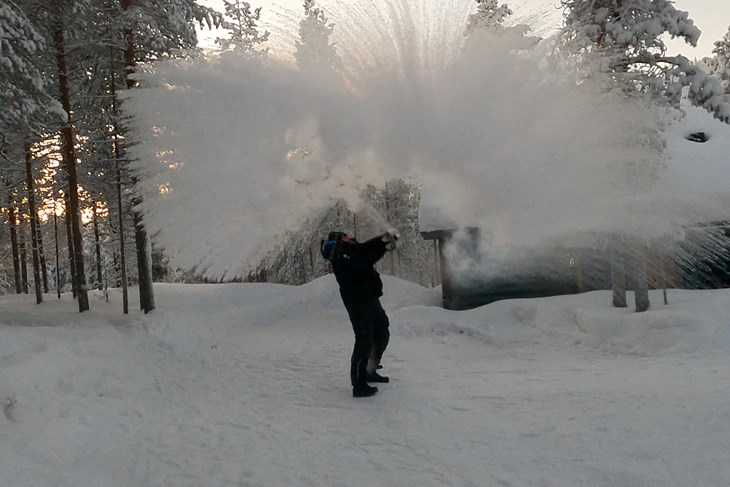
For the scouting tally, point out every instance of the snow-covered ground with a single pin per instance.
(247, 385)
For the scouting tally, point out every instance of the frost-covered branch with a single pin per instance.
(484, 27)
(623, 41)
(243, 27)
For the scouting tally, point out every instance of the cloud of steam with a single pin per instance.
(246, 148)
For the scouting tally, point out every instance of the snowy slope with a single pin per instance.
(247, 385)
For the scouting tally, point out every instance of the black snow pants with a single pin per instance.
(370, 324)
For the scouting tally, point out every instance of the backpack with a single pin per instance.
(329, 247)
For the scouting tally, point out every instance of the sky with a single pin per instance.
(713, 19)
(247, 385)
(711, 16)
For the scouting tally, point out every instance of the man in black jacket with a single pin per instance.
(360, 288)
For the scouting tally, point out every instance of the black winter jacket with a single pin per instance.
(353, 266)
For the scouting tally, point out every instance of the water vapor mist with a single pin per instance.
(245, 149)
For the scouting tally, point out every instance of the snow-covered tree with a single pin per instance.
(315, 53)
(296, 259)
(245, 36)
(154, 29)
(618, 43)
(398, 203)
(163, 28)
(485, 27)
(24, 89)
(489, 15)
(79, 50)
(721, 61)
(622, 40)
(624, 31)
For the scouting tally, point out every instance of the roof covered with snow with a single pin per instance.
(699, 166)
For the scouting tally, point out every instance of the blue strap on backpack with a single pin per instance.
(329, 247)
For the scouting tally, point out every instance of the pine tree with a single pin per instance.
(485, 28)
(721, 61)
(489, 15)
(622, 41)
(24, 89)
(151, 32)
(163, 28)
(315, 53)
(69, 156)
(75, 49)
(27, 106)
(33, 218)
(243, 26)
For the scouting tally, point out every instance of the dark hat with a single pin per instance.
(336, 236)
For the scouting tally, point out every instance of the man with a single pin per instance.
(360, 288)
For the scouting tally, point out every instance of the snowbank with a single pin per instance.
(246, 385)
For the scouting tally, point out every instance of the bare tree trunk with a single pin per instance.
(144, 264)
(58, 254)
(120, 208)
(97, 244)
(13, 224)
(641, 280)
(71, 253)
(142, 241)
(618, 275)
(42, 254)
(33, 215)
(69, 161)
(122, 250)
(23, 260)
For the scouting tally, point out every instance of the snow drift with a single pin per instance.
(247, 385)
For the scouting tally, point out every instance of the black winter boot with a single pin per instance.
(375, 377)
(363, 390)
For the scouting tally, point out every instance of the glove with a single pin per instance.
(390, 238)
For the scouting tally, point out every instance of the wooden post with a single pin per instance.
(435, 275)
